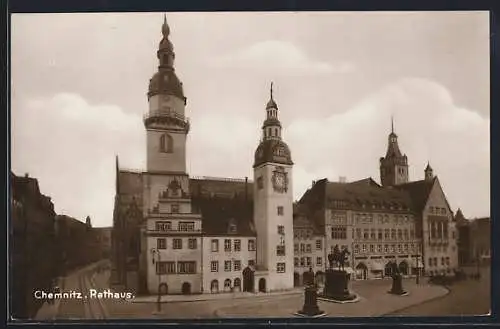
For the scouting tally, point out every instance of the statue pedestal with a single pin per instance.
(310, 308)
(397, 286)
(337, 287)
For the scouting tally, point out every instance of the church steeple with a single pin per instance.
(394, 166)
(272, 148)
(429, 175)
(165, 81)
(271, 129)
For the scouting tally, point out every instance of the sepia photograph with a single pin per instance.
(218, 165)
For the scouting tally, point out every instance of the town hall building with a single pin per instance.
(177, 234)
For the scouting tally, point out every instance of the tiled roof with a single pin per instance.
(419, 192)
(367, 193)
(221, 187)
(223, 202)
(130, 186)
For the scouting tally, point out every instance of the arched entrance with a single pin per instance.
(163, 289)
(403, 268)
(388, 269)
(262, 285)
(296, 279)
(248, 279)
(214, 286)
(237, 284)
(227, 285)
(186, 288)
(361, 271)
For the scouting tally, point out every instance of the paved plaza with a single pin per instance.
(467, 297)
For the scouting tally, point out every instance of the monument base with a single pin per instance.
(336, 287)
(310, 308)
(397, 286)
(317, 315)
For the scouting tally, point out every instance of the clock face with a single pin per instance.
(280, 181)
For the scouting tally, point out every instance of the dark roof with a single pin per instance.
(419, 192)
(166, 82)
(367, 193)
(130, 187)
(221, 187)
(273, 150)
(223, 202)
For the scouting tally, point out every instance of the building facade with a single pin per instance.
(474, 240)
(409, 223)
(33, 245)
(175, 234)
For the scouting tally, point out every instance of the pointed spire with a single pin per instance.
(392, 124)
(428, 166)
(271, 103)
(165, 29)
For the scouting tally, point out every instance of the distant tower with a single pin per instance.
(428, 172)
(394, 167)
(166, 125)
(87, 222)
(273, 203)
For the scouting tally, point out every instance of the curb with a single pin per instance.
(210, 299)
(448, 290)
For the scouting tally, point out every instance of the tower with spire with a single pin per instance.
(273, 204)
(394, 166)
(169, 221)
(166, 124)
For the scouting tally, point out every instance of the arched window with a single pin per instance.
(166, 143)
(275, 131)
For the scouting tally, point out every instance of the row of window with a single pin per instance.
(166, 226)
(228, 245)
(228, 265)
(175, 268)
(437, 210)
(386, 234)
(386, 248)
(307, 247)
(339, 233)
(161, 243)
(302, 234)
(439, 230)
(361, 218)
(434, 261)
(307, 261)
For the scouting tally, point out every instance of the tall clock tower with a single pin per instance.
(273, 205)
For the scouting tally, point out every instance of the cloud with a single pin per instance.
(430, 128)
(278, 57)
(69, 145)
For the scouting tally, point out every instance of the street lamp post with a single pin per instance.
(417, 280)
(156, 252)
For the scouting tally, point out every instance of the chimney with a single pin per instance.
(313, 182)
(342, 179)
(26, 175)
(246, 189)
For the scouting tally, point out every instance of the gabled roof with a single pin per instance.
(418, 191)
(368, 193)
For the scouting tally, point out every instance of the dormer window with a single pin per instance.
(232, 228)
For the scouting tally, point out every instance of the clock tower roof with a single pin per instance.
(273, 150)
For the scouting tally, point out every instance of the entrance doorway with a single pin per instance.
(248, 279)
(361, 271)
(296, 279)
(186, 288)
(403, 268)
(163, 288)
(262, 285)
(214, 286)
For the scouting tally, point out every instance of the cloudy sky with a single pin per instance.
(79, 84)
